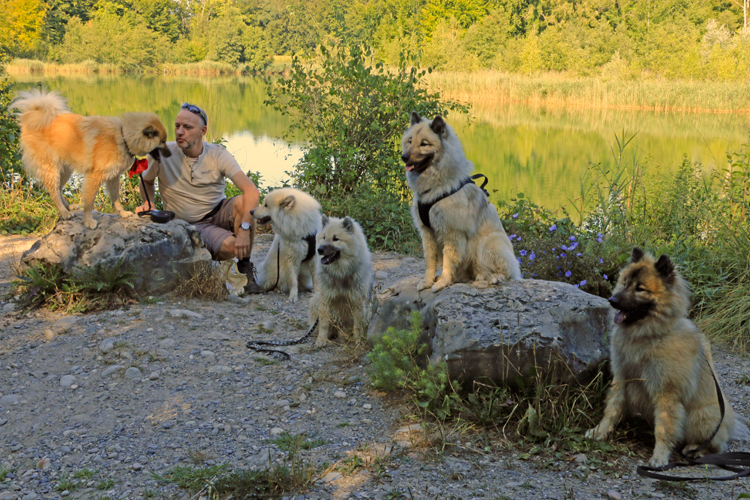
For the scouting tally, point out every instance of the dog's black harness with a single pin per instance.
(310, 239)
(424, 208)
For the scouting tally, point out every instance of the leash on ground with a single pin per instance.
(257, 345)
(737, 462)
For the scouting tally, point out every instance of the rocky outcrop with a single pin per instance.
(161, 255)
(504, 333)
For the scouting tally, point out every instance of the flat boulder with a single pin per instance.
(160, 255)
(504, 333)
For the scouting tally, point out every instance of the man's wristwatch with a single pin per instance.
(245, 226)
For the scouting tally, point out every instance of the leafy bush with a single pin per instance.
(353, 112)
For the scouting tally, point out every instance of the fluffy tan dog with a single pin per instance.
(457, 222)
(662, 363)
(56, 142)
(344, 281)
(290, 263)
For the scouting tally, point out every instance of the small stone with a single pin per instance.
(613, 495)
(9, 308)
(63, 324)
(67, 380)
(107, 345)
(331, 477)
(137, 466)
(220, 369)
(3, 421)
(154, 376)
(381, 275)
(166, 425)
(49, 335)
(110, 370)
(282, 402)
(133, 372)
(9, 399)
(276, 431)
(432, 490)
(367, 406)
(268, 325)
(167, 343)
(339, 394)
(261, 379)
(178, 313)
(581, 459)
(207, 354)
(44, 464)
(65, 493)
(410, 428)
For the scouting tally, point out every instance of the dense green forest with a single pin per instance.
(686, 39)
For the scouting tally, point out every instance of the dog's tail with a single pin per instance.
(38, 109)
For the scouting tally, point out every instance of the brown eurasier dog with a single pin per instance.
(662, 364)
(56, 142)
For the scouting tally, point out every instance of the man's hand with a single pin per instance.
(242, 245)
(144, 207)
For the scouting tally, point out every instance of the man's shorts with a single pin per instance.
(217, 228)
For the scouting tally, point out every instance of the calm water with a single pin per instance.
(541, 152)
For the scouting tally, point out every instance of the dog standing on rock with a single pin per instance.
(344, 281)
(661, 363)
(56, 142)
(457, 222)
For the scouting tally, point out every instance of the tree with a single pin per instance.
(21, 26)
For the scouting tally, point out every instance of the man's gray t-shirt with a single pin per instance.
(192, 187)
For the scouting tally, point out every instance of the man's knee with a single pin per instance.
(226, 251)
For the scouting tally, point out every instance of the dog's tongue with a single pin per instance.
(619, 317)
(408, 167)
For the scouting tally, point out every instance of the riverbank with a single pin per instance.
(547, 89)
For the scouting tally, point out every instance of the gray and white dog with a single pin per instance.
(458, 224)
(341, 302)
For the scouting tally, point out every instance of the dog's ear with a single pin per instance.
(348, 224)
(287, 202)
(637, 255)
(438, 126)
(415, 118)
(664, 266)
(150, 132)
(324, 220)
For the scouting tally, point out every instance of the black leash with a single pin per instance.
(738, 462)
(310, 239)
(424, 208)
(257, 345)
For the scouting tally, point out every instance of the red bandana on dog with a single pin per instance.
(139, 165)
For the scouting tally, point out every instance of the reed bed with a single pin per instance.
(556, 89)
(33, 67)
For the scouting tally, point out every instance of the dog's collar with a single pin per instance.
(310, 239)
(424, 208)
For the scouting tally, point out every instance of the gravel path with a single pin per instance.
(115, 396)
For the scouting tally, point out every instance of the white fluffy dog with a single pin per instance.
(290, 263)
(344, 281)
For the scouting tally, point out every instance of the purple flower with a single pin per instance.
(523, 253)
(601, 261)
(553, 227)
(577, 285)
(573, 246)
(564, 247)
(599, 239)
(559, 267)
(605, 276)
(512, 237)
(519, 238)
(572, 238)
(532, 256)
(563, 255)
(533, 275)
(553, 249)
(518, 259)
(579, 254)
(583, 283)
(515, 215)
(560, 273)
(567, 274)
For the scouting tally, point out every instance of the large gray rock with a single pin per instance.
(162, 255)
(502, 333)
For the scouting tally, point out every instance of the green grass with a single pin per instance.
(105, 484)
(84, 473)
(66, 484)
(292, 443)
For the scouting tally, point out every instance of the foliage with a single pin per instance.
(204, 281)
(399, 362)
(353, 111)
(88, 289)
(23, 21)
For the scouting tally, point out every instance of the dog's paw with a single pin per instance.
(658, 460)
(424, 285)
(90, 224)
(293, 296)
(125, 213)
(497, 278)
(65, 215)
(597, 433)
(440, 285)
(321, 342)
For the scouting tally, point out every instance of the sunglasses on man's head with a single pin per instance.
(196, 110)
